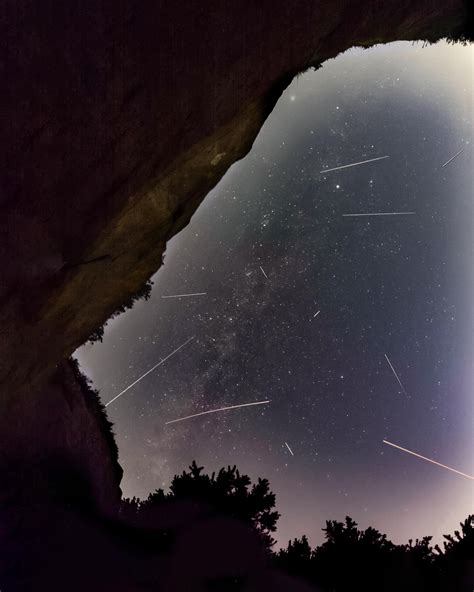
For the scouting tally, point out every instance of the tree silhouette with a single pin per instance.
(349, 559)
(461, 545)
(352, 559)
(228, 493)
(361, 552)
(421, 549)
(454, 566)
(296, 559)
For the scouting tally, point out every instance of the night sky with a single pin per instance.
(394, 285)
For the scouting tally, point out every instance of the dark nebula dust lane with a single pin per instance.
(355, 329)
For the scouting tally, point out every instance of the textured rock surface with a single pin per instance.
(117, 118)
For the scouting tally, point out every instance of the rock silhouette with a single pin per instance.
(110, 141)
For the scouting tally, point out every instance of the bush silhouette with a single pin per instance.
(353, 559)
(461, 545)
(349, 559)
(228, 493)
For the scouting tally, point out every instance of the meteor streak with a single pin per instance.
(185, 295)
(263, 272)
(452, 158)
(148, 371)
(291, 451)
(217, 410)
(315, 315)
(396, 375)
(428, 459)
(383, 214)
(353, 164)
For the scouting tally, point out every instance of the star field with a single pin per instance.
(396, 286)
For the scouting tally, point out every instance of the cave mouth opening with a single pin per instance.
(296, 285)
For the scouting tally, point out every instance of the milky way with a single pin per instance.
(300, 303)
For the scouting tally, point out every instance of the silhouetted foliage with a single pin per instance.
(297, 558)
(454, 566)
(98, 334)
(130, 509)
(143, 293)
(353, 559)
(349, 559)
(463, 33)
(228, 493)
(461, 545)
(95, 405)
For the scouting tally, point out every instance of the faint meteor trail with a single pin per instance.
(353, 164)
(291, 451)
(452, 158)
(263, 272)
(315, 315)
(185, 295)
(382, 214)
(217, 410)
(428, 459)
(396, 375)
(148, 371)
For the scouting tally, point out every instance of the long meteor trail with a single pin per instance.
(291, 451)
(428, 459)
(185, 295)
(217, 410)
(395, 373)
(148, 371)
(382, 214)
(452, 158)
(353, 164)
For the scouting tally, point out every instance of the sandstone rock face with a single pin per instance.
(118, 117)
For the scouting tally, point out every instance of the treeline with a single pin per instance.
(350, 559)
